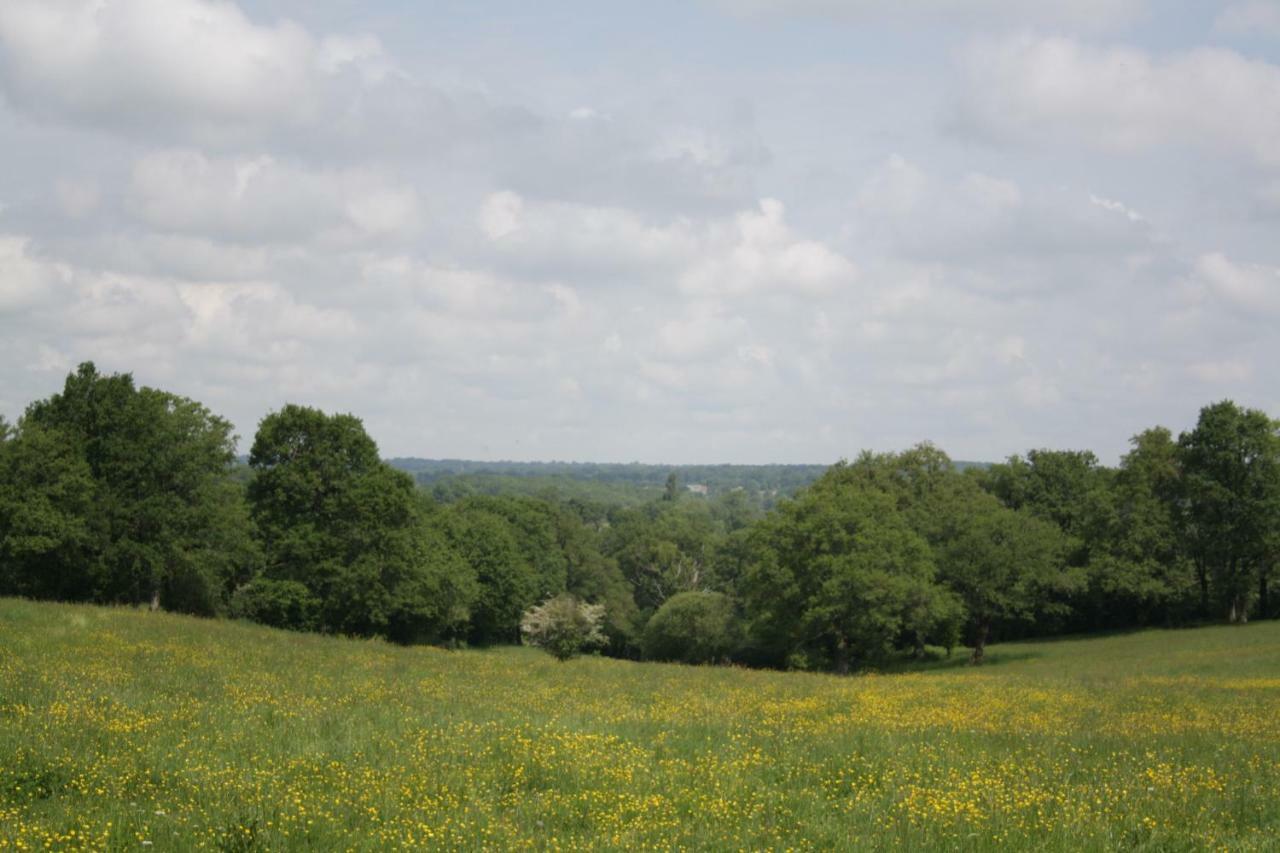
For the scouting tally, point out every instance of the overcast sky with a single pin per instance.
(727, 231)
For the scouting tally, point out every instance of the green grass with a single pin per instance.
(119, 728)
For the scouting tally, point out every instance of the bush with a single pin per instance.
(564, 626)
(280, 604)
(693, 627)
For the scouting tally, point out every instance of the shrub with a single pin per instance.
(564, 626)
(693, 627)
(278, 603)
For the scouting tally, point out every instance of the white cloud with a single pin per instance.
(705, 328)
(1084, 14)
(760, 252)
(1117, 207)
(492, 248)
(1249, 18)
(1221, 372)
(1041, 89)
(1251, 288)
(985, 223)
(592, 239)
(260, 199)
(129, 60)
(25, 280)
(76, 199)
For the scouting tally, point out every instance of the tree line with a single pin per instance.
(115, 493)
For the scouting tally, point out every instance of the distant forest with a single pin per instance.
(115, 493)
(628, 483)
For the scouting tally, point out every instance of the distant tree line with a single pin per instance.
(118, 494)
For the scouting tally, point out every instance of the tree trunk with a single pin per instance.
(980, 643)
(842, 654)
(1202, 575)
(155, 600)
(1239, 609)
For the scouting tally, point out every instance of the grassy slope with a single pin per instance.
(119, 727)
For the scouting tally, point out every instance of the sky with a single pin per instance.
(691, 232)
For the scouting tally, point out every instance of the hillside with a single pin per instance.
(119, 727)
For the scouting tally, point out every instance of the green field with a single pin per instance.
(123, 729)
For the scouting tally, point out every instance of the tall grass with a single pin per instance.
(121, 729)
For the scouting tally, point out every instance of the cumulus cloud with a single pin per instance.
(1084, 14)
(193, 61)
(261, 199)
(751, 252)
(982, 222)
(24, 280)
(760, 252)
(1253, 17)
(1251, 288)
(568, 238)
(490, 251)
(1031, 88)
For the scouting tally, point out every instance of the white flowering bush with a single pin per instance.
(564, 626)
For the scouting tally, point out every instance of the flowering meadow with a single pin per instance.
(121, 729)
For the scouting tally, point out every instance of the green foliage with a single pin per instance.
(278, 603)
(353, 531)
(693, 627)
(46, 501)
(1141, 571)
(839, 574)
(507, 582)
(663, 549)
(121, 494)
(1006, 565)
(1231, 490)
(114, 493)
(564, 626)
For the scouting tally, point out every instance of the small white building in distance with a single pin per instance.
(697, 488)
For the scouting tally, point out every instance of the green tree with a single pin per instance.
(507, 584)
(838, 574)
(1005, 565)
(1142, 573)
(46, 502)
(693, 627)
(1231, 501)
(166, 524)
(664, 548)
(336, 519)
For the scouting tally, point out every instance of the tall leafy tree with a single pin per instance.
(166, 524)
(838, 577)
(1142, 573)
(337, 520)
(1231, 501)
(1005, 565)
(46, 502)
(507, 583)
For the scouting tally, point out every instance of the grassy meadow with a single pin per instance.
(123, 729)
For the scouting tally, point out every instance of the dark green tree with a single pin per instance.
(1230, 467)
(507, 583)
(1005, 565)
(838, 575)
(46, 503)
(337, 520)
(166, 524)
(1141, 574)
(693, 627)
